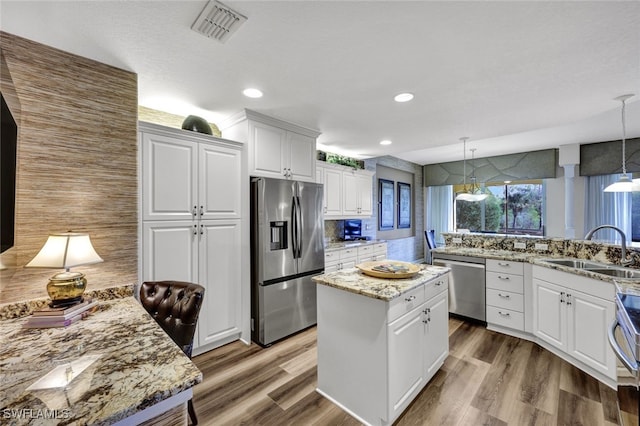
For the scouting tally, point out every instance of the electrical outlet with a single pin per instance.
(518, 245)
(540, 246)
(456, 240)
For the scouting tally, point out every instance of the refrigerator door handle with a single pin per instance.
(299, 223)
(294, 227)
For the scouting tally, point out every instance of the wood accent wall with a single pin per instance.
(76, 165)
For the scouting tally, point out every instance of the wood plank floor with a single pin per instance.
(488, 379)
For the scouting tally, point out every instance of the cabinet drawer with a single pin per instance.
(405, 303)
(365, 250)
(331, 257)
(350, 253)
(436, 286)
(380, 248)
(505, 299)
(505, 318)
(507, 282)
(506, 266)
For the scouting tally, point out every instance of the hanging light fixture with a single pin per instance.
(472, 194)
(624, 184)
(476, 194)
(465, 195)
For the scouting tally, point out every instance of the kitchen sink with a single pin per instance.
(616, 272)
(575, 263)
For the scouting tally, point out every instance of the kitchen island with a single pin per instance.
(379, 340)
(115, 367)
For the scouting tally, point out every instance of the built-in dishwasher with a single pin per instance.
(466, 284)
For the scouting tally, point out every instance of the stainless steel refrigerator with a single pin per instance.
(287, 249)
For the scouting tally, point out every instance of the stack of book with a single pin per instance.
(61, 317)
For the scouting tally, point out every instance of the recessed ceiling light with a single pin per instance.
(252, 93)
(403, 97)
(386, 142)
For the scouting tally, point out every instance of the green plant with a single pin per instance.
(345, 161)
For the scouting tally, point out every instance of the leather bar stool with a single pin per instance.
(175, 305)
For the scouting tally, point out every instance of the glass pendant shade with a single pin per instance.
(625, 183)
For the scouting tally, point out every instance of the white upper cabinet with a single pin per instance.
(186, 179)
(277, 149)
(348, 193)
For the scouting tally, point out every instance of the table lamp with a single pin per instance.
(66, 250)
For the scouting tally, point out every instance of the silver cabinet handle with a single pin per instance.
(439, 283)
(562, 297)
(503, 278)
(504, 296)
(201, 229)
(504, 314)
(503, 264)
(201, 211)
(195, 211)
(410, 298)
(195, 229)
(568, 299)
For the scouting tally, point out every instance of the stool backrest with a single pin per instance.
(175, 305)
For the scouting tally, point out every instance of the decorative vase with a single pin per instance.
(197, 124)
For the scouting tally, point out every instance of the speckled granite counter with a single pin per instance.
(135, 366)
(354, 281)
(623, 285)
(339, 245)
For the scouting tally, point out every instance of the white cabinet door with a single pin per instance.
(365, 194)
(170, 173)
(220, 183)
(220, 273)
(550, 314)
(269, 150)
(406, 358)
(301, 157)
(588, 319)
(350, 194)
(332, 192)
(170, 251)
(437, 333)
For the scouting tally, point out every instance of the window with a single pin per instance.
(635, 216)
(513, 208)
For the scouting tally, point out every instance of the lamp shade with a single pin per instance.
(624, 184)
(65, 250)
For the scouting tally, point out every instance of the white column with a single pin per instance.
(569, 174)
(568, 159)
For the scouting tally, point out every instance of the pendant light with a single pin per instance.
(465, 195)
(476, 193)
(624, 184)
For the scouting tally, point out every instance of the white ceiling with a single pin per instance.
(513, 76)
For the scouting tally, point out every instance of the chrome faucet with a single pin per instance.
(623, 261)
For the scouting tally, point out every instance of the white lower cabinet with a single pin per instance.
(335, 260)
(572, 314)
(374, 357)
(208, 253)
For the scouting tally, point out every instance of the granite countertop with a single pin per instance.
(354, 281)
(339, 245)
(624, 285)
(135, 365)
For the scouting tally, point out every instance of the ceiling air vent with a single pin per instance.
(218, 21)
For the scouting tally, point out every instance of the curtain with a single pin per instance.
(606, 208)
(439, 211)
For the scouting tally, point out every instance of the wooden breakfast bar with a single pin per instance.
(115, 367)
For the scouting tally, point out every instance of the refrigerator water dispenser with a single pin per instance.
(278, 235)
